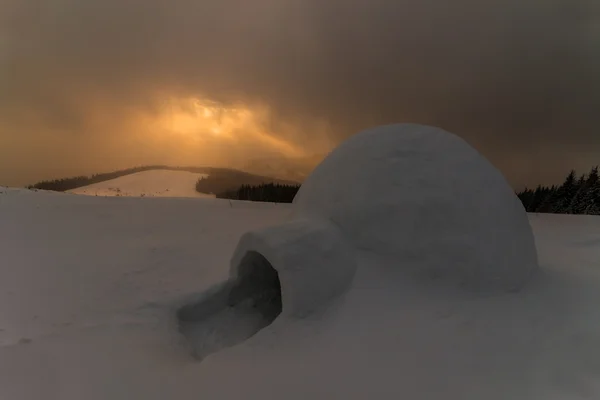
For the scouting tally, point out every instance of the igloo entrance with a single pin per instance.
(257, 285)
(234, 311)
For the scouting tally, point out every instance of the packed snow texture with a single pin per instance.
(154, 183)
(90, 289)
(428, 202)
(313, 262)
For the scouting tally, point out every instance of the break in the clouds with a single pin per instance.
(96, 85)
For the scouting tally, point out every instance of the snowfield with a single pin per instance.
(91, 286)
(154, 183)
(406, 268)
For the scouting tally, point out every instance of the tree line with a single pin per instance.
(227, 182)
(578, 194)
(268, 192)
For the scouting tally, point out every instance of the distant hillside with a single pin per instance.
(218, 180)
(154, 183)
(64, 184)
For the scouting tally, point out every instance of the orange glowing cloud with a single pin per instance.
(197, 121)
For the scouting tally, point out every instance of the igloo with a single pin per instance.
(417, 197)
(429, 202)
(413, 198)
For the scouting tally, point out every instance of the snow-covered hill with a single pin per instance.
(90, 286)
(154, 183)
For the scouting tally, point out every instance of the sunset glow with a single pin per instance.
(199, 120)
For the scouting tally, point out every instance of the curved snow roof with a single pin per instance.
(415, 196)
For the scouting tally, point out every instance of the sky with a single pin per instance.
(96, 85)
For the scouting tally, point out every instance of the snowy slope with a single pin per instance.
(89, 287)
(154, 183)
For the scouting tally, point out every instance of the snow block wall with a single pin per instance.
(419, 199)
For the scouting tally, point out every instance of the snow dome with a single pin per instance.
(426, 200)
(418, 200)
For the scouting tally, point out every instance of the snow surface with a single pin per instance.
(428, 202)
(90, 288)
(154, 183)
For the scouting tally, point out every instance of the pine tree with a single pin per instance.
(524, 196)
(565, 194)
(538, 196)
(548, 200)
(593, 207)
(589, 203)
(580, 190)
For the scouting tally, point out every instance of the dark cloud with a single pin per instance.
(516, 78)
